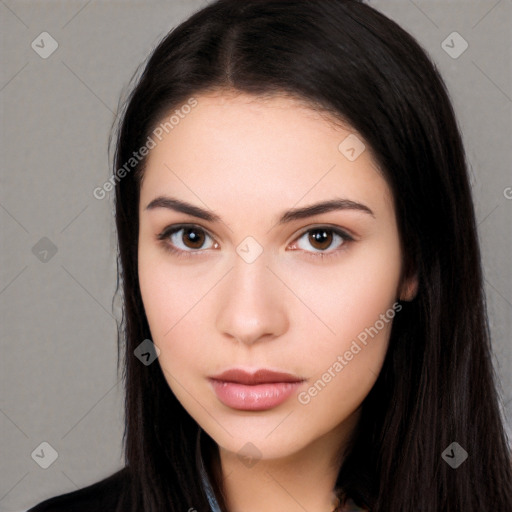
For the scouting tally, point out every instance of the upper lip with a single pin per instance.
(258, 377)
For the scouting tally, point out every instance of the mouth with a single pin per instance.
(258, 391)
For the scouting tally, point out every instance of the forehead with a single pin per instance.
(259, 152)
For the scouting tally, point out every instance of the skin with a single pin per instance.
(249, 159)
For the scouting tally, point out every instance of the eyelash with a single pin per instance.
(163, 237)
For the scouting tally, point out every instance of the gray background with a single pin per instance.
(58, 365)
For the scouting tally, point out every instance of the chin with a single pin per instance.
(267, 438)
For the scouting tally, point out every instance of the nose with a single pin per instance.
(251, 305)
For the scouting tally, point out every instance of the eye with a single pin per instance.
(322, 238)
(185, 238)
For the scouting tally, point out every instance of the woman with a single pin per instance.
(304, 318)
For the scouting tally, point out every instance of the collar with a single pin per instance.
(207, 486)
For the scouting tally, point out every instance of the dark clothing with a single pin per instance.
(103, 495)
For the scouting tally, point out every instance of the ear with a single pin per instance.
(409, 288)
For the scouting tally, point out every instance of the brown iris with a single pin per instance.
(194, 237)
(322, 237)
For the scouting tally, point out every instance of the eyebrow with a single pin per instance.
(287, 216)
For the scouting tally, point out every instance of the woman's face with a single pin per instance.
(260, 283)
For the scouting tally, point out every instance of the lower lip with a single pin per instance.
(259, 397)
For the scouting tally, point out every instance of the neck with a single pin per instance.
(304, 480)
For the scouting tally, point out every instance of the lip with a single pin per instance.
(262, 390)
(261, 376)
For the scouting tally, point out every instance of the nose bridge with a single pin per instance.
(251, 305)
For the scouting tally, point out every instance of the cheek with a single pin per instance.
(168, 291)
(364, 311)
(345, 364)
(349, 301)
(172, 303)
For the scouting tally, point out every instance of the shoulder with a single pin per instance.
(101, 496)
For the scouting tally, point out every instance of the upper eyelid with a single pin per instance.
(170, 230)
(337, 229)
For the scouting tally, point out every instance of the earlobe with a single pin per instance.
(409, 289)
